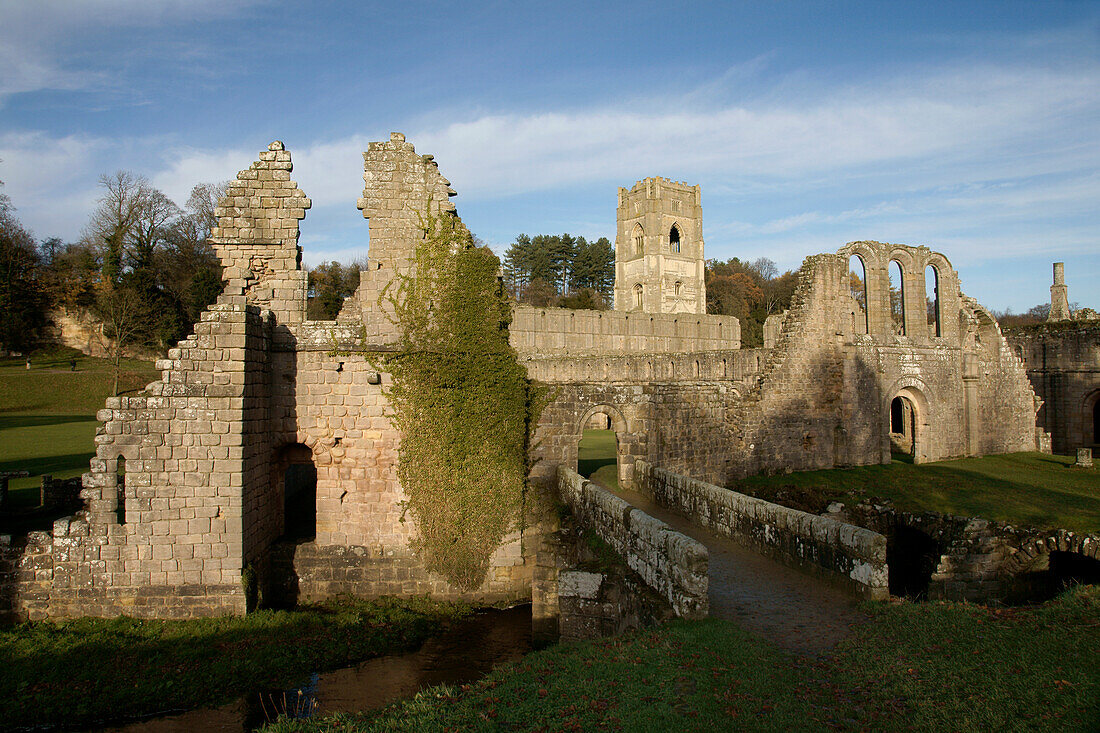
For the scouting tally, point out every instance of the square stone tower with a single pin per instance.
(659, 248)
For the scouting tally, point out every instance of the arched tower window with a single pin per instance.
(638, 295)
(674, 239)
(897, 297)
(679, 288)
(638, 236)
(857, 285)
(932, 293)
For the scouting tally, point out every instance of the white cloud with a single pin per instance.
(980, 162)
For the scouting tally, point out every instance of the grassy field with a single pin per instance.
(596, 450)
(47, 413)
(928, 667)
(79, 672)
(1031, 489)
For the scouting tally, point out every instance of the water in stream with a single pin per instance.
(465, 653)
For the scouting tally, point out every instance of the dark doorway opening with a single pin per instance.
(912, 557)
(1096, 422)
(300, 502)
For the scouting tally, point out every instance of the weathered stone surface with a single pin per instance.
(673, 565)
(1063, 364)
(853, 557)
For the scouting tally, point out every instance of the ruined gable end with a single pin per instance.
(256, 238)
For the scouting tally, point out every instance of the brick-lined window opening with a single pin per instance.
(120, 489)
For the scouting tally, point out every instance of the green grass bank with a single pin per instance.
(1028, 489)
(927, 667)
(47, 413)
(79, 672)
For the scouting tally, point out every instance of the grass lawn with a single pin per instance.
(596, 450)
(47, 414)
(928, 667)
(78, 672)
(1032, 489)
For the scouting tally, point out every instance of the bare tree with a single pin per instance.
(119, 310)
(114, 220)
(155, 212)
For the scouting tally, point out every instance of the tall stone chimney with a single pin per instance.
(1059, 298)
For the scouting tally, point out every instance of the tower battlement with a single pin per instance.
(659, 248)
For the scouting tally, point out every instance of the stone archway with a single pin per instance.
(1042, 568)
(616, 424)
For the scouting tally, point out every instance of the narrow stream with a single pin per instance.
(465, 653)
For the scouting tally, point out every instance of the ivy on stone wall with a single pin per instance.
(461, 400)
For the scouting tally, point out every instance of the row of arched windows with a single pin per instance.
(857, 277)
(638, 235)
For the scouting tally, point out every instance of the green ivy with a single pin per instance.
(461, 400)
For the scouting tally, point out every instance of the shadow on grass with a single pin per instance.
(53, 465)
(1018, 488)
(588, 466)
(34, 421)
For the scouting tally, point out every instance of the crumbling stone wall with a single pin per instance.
(823, 397)
(970, 558)
(1063, 363)
(543, 331)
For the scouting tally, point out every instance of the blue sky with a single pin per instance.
(969, 127)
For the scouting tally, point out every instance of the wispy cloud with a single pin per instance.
(36, 35)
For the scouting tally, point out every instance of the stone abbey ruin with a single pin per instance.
(266, 454)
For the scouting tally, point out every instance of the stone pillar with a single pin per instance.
(1084, 457)
(970, 402)
(1059, 297)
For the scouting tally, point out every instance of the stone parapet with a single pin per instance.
(738, 366)
(672, 564)
(555, 331)
(853, 557)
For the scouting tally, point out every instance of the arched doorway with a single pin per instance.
(902, 429)
(601, 447)
(907, 424)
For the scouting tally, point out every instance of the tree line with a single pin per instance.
(751, 291)
(142, 268)
(560, 270)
